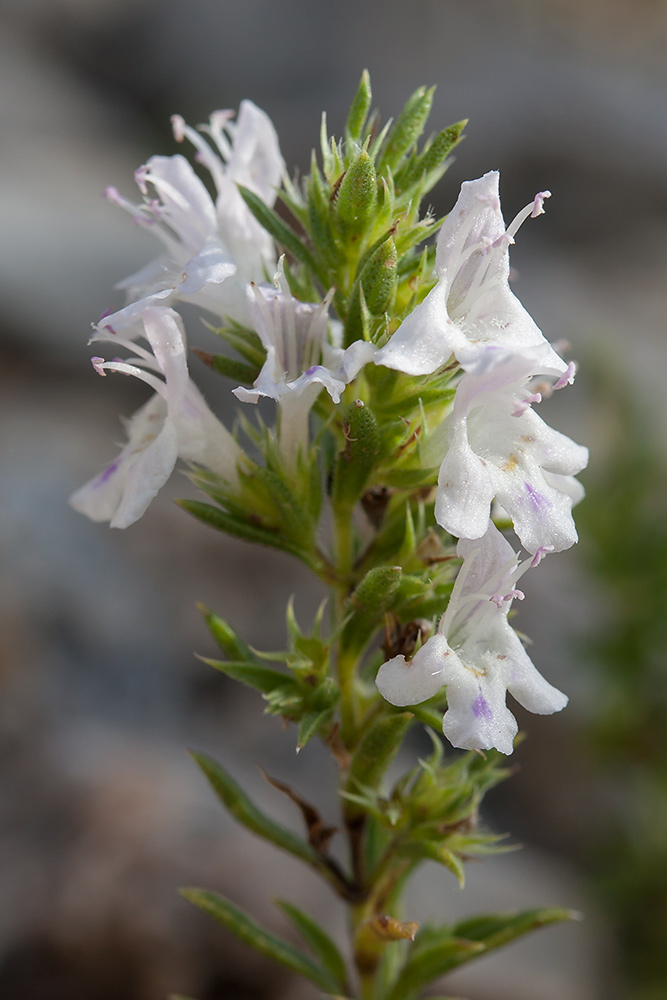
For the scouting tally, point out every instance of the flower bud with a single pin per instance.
(379, 278)
(357, 196)
(357, 459)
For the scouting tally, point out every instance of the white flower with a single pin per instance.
(472, 302)
(213, 249)
(476, 653)
(500, 449)
(299, 359)
(174, 423)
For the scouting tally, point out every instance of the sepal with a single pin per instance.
(355, 462)
(378, 278)
(356, 198)
(372, 597)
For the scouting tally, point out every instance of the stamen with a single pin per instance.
(525, 403)
(567, 378)
(120, 366)
(539, 555)
(98, 365)
(140, 176)
(538, 204)
(218, 122)
(206, 154)
(535, 208)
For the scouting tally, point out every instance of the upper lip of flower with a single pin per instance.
(175, 422)
(471, 302)
(205, 243)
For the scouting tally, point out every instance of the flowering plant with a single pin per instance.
(405, 376)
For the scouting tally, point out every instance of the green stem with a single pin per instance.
(344, 558)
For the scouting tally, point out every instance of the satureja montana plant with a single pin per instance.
(405, 374)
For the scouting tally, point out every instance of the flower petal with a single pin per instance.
(403, 682)
(477, 717)
(122, 492)
(426, 338)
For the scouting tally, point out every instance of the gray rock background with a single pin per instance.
(101, 813)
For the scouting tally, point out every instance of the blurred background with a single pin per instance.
(102, 813)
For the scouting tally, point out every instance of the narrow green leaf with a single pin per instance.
(244, 342)
(377, 750)
(361, 102)
(246, 812)
(325, 148)
(494, 930)
(249, 931)
(433, 157)
(438, 950)
(262, 679)
(219, 519)
(281, 232)
(239, 371)
(310, 725)
(319, 228)
(357, 320)
(226, 637)
(319, 942)
(433, 851)
(409, 126)
(295, 520)
(421, 969)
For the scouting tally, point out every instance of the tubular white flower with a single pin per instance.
(472, 302)
(299, 359)
(174, 423)
(212, 249)
(476, 653)
(500, 449)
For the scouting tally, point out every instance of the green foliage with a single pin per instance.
(377, 749)
(360, 212)
(246, 812)
(248, 930)
(437, 950)
(319, 943)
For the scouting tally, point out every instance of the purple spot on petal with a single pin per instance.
(481, 707)
(313, 369)
(108, 472)
(537, 500)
